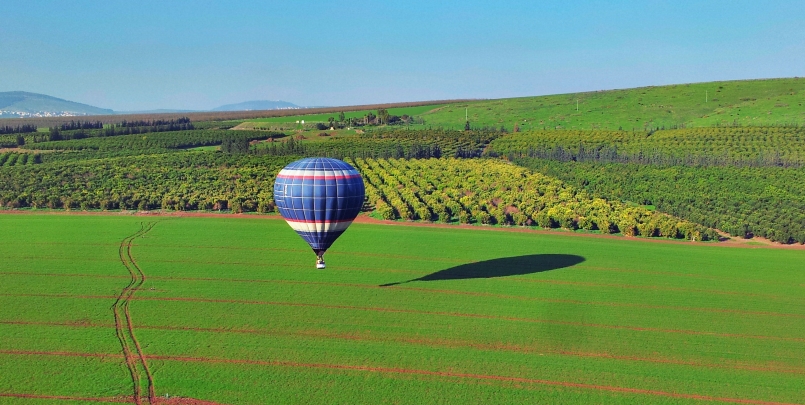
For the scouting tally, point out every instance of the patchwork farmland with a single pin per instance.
(153, 309)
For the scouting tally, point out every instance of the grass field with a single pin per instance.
(231, 310)
(749, 102)
(351, 114)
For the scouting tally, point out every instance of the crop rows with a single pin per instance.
(744, 201)
(488, 191)
(745, 146)
(174, 181)
(9, 159)
(398, 143)
(129, 145)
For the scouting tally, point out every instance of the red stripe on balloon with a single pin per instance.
(340, 177)
(313, 221)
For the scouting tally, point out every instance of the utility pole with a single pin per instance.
(466, 114)
(705, 96)
(577, 105)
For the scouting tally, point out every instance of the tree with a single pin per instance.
(341, 117)
(383, 116)
(467, 126)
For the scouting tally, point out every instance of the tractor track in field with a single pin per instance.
(479, 378)
(690, 332)
(443, 291)
(472, 376)
(446, 343)
(124, 327)
(112, 400)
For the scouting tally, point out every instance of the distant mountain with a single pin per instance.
(258, 105)
(21, 104)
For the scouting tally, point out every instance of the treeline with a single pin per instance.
(173, 181)
(341, 148)
(81, 130)
(19, 129)
(154, 123)
(612, 154)
(717, 146)
(73, 125)
(488, 191)
(130, 145)
(389, 143)
(743, 201)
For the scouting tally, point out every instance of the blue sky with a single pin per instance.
(129, 55)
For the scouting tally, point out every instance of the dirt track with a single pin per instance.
(124, 328)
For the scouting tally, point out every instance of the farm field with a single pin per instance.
(744, 102)
(231, 310)
(348, 114)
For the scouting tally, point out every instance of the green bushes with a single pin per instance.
(488, 191)
(176, 181)
(716, 146)
(743, 201)
(150, 143)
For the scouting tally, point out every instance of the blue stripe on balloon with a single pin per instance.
(319, 200)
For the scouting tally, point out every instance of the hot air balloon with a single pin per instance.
(319, 198)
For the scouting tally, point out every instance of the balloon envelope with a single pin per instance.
(319, 198)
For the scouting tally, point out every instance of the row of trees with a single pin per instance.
(172, 181)
(398, 143)
(493, 192)
(9, 159)
(19, 129)
(154, 123)
(73, 125)
(11, 141)
(55, 134)
(727, 146)
(130, 145)
(743, 201)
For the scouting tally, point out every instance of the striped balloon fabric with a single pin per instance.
(319, 198)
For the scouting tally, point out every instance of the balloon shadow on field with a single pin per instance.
(501, 267)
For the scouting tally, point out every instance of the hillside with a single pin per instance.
(20, 104)
(747, 102)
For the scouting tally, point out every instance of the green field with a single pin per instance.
(351, 114)
(746, 102)
(231, 310)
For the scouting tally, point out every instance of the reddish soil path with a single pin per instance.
(762, 243)
(771, 367)
(432, 313)
(471, 376)
(394, 370)
(449, 292)
(124, 327)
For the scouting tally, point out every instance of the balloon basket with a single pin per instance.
(320, 265)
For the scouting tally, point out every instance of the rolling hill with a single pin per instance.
(18, 104)
(745, 102)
